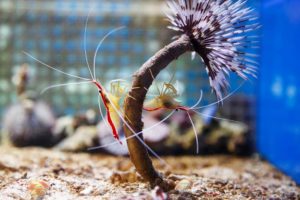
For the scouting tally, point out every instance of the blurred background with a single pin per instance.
(53, 32)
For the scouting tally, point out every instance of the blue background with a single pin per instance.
(279, 123)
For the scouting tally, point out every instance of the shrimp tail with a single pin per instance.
(113, 128)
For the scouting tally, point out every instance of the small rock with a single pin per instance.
(171, 184)
(221, 182)
(116, 178)
(37, 188)
(175, 177)
(184, 184)
(124, 165)
(87, 191)
(80, 140)
(131, 177)
(124, 177)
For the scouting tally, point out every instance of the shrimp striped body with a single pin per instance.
(163, 102)
(166, 99)
(112, 117)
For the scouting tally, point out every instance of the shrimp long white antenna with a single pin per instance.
(141, 140)
(164, 119)
(221, 100)
(55, 69)
(100, 43)
(153, 78)
(195, 132)
(117, 80)
(132, 136)
(199, 100)
(62, 85)
(84, 44)
(219, 118)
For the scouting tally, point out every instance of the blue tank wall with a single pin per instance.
(279, 122)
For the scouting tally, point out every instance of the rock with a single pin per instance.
(124, 177)
(124, 165)
(66, 126)
(38, 188)
(83, 138)
(87, 191)
(29, 123)
(184, 184)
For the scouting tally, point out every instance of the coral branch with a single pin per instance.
(142, 80)
(221, 32)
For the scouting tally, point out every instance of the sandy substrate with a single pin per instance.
(86, 176)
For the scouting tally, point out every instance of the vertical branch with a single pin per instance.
(21, 79)
(142, 80)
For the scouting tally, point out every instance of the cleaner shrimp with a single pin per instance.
(102, 92)
(166, 100)
(109, 100)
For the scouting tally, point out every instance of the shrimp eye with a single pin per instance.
(176, 109)
(100, 91)
(167, 104)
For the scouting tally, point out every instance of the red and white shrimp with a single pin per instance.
(112, 107)
(166, 100)
(102, 92)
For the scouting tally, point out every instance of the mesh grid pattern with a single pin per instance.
(52, 31)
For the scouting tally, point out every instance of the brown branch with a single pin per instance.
(142, 80)
(21, 79)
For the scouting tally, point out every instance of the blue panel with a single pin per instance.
(279, 121)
